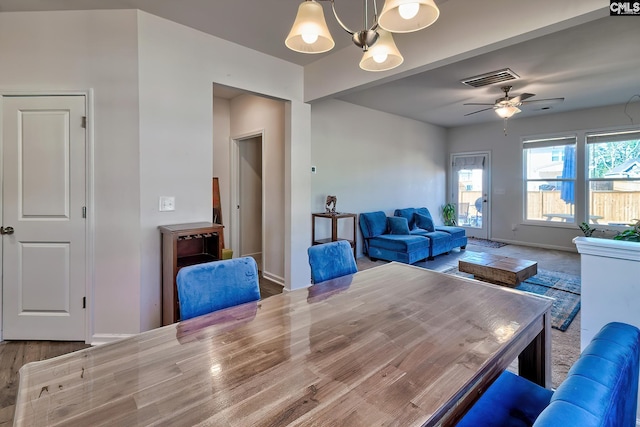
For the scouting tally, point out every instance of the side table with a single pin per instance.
(334, 217)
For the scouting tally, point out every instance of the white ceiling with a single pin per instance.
(590, 65)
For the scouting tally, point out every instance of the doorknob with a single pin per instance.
(6, 230)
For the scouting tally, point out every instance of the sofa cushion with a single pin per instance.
(456, 232)
(440, 242)
(424, 222)
(394, 242)
(373, 224)
(407, 213)
(398, 225)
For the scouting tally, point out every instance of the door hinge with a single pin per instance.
(84, 122)
(84, 302)
(84, 212)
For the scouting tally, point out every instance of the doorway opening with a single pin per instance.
(248, 189)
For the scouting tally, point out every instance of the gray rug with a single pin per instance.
(563, 288)
(484, 242)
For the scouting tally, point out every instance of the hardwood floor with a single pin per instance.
(268, 288)
(14, 354)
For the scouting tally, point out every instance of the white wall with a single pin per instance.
(506, 174)
(222, 158)
(152, 85)
(78, 50)
(375, 161)
(178, 66)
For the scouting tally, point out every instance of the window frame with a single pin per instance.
(599, 137)
(557, 140)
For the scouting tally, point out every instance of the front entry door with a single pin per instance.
(470, 181)
(43, 225)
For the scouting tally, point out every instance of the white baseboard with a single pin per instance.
(535, 245)
(276, 279)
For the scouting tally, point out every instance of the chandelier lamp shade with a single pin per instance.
(310, 34)
(406, 16)
(383, 55)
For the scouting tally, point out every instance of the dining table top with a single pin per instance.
(394, 345)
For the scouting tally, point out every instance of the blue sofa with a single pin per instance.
(601, 389)
(402, 239)
(379, 243)
(457, 235)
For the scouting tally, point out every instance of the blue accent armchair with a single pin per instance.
(601, 389)
(331, 260)
(203, 288)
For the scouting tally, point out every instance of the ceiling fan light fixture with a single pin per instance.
(383, 55)
(309, 33)
(507, 111)
(405, 16)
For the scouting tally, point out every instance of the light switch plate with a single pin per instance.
(167, 204)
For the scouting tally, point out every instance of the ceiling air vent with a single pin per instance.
(490, 78)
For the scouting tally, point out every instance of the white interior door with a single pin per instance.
(470, 191)
(43, 199)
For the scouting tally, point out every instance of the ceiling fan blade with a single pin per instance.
(479, 111)
(549, 101)
(477, 103)
(522, 97)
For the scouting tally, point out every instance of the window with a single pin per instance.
(549, 179)
(613, 182)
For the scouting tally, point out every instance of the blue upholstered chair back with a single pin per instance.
(331, 260)
(203, 288)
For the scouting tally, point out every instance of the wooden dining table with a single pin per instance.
(394, 345)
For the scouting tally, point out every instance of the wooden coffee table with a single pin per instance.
(497, 269)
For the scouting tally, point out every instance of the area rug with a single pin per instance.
(563, 288)
(484, 242)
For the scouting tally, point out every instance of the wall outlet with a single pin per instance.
(313, 169)
(167, 204)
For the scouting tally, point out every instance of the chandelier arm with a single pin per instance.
(335, 14)
(375, 15)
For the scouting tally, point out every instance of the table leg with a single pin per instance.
(534, 363)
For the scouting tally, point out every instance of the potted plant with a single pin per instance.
(630, 235)
(449, 214)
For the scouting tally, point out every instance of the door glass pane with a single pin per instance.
(470, 197)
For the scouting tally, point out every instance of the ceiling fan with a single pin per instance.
(507, 106)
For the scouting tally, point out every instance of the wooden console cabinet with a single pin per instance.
(183, 245)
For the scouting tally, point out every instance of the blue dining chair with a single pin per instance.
(203, 288)
(331, 260)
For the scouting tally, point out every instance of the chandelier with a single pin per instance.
(310, 34)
